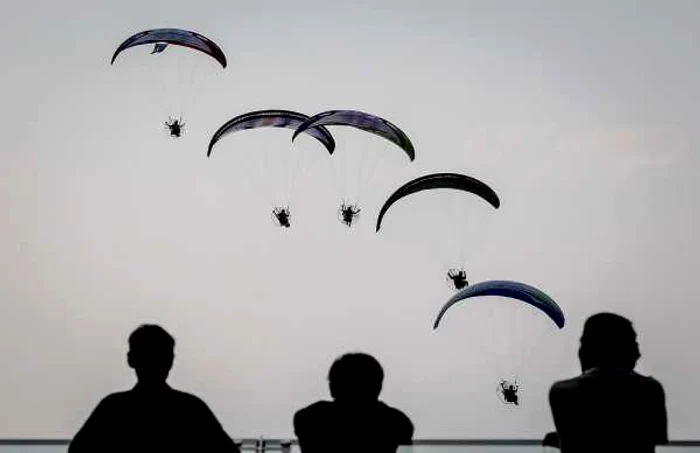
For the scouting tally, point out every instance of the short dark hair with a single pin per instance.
(608, 340)
(356, 375)
(151, 338)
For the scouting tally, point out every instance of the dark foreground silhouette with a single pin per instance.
(551, 440)
(355, 420)
(609, 407)
(152, 417)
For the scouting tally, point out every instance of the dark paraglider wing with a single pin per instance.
(360, 120)
(176, 37)
(440, 181)
(272, 118)
(509, 289)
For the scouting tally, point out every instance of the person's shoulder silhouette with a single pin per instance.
(551, 439)
(355, 420)
(152, 416)
(609, 407)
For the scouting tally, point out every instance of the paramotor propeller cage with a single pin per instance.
(175, 127)
(281, 216)
(348, 213)
(456, 278)
(507, 391)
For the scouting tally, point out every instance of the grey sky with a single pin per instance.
(582, 116)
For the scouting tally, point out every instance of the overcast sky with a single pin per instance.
(582, 117)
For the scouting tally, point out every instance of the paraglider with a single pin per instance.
(360, 120)
(456, 276)
(508, 391)
(275, 118)
(175, 126)
(271, 118)
(348, 213)
(509, 289)
(440, 181)
(281, 216)
(365, 122)
(161, 37)
(176, 74)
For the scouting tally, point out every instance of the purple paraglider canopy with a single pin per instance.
(272, 118)
(364, 121)
(176, 37)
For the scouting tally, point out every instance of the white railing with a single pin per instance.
(263, 445)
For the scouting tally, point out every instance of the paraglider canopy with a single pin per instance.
(440, 181)
(272, 118)
(364, 121)
(508, 289)
(275, 169)
(175, 36)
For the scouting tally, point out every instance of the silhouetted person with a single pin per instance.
(609, 407)
(355, 420)
(152, 417)
(551, 440)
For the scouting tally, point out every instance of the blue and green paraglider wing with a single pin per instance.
(509, 289)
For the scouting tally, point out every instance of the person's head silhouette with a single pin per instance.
(356, 378)
(608, 341)
(151, 354)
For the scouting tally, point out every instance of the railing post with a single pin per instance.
(260, 445)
